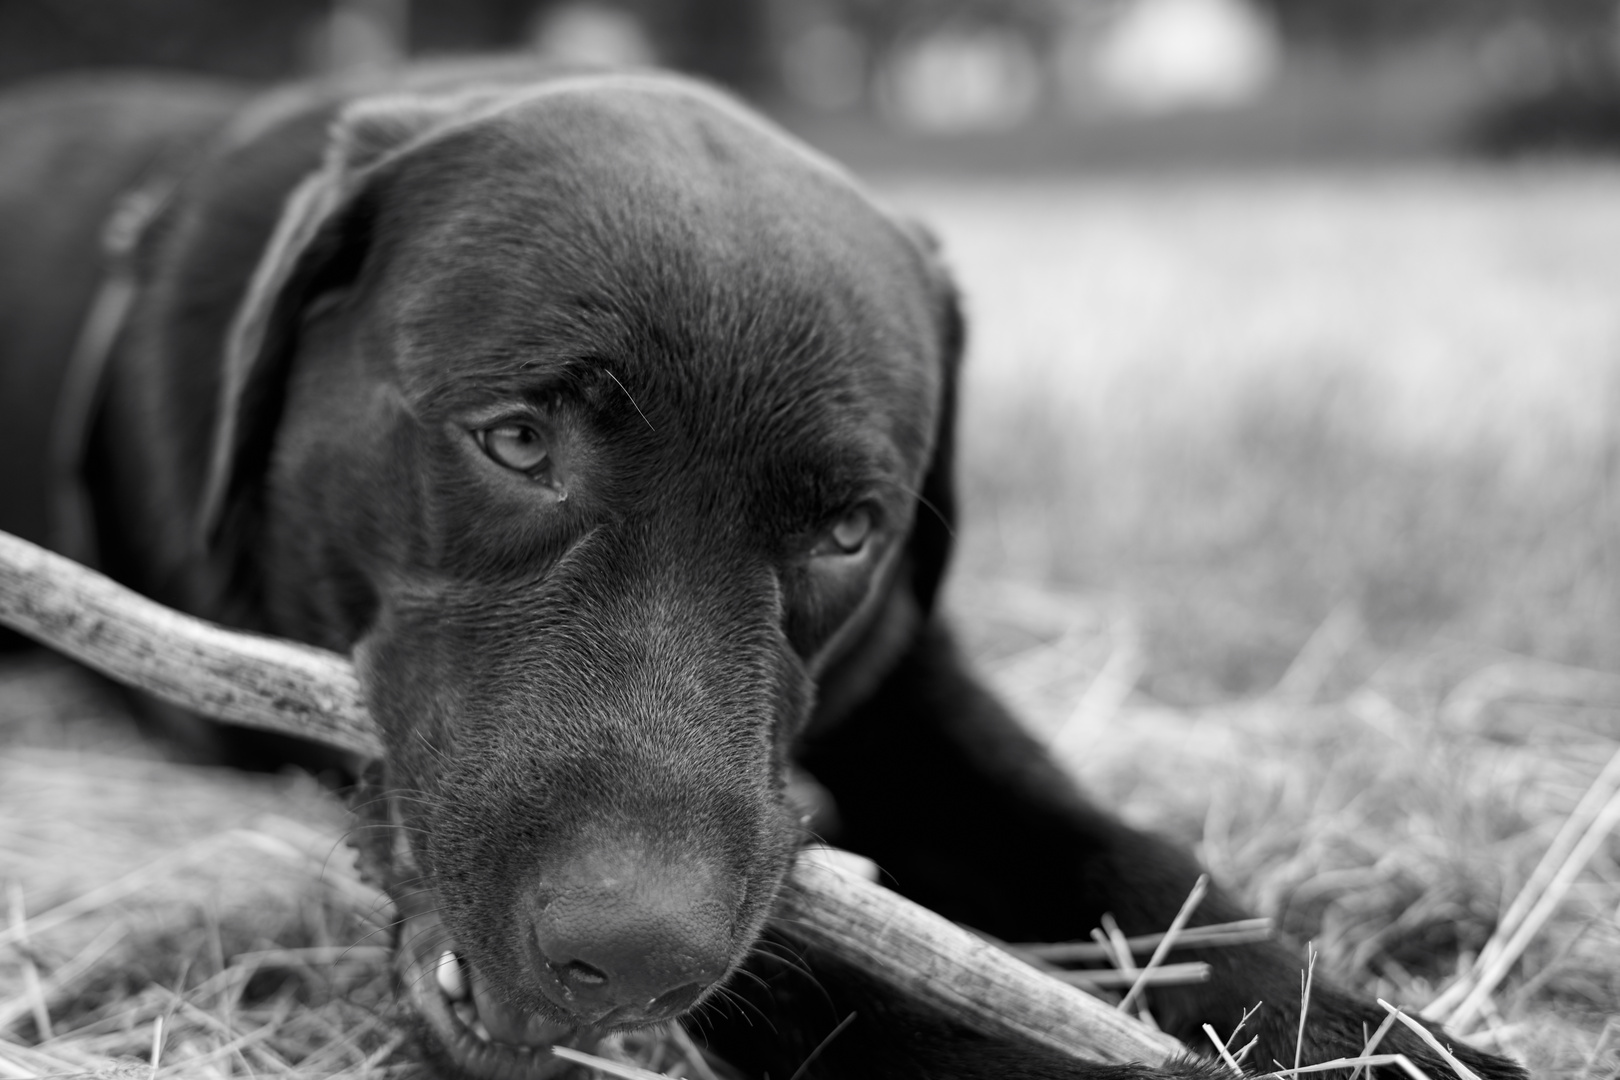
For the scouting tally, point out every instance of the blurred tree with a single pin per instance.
(886, 22)
(1550, 69)
(719, 39)
(1362, 23)
(251, 38)
(856, 42)
(262, 39)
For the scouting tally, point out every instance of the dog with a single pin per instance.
(609, 429)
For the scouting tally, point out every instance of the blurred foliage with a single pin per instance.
(721, 39)
(251, 38)
(1554, 75)
(265, 39)
(1576, 114)
(1384, 22)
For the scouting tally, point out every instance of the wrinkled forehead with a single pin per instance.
(706, 261)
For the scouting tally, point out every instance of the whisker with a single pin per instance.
(822, 1045)
(924, 501)
(633, 404)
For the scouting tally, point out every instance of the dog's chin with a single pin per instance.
(466, 1031)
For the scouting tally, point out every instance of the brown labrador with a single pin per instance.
(609, 429)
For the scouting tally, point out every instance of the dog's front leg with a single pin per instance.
(967, 814)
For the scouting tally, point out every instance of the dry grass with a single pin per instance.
(1291, 517)
(1393, 828)
(170, 921)
(205, 924)
(1302, 552)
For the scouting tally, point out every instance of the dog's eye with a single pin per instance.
(519, 447)
(849, 534)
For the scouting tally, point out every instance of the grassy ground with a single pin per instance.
(1290, 515)
(1240, 404)
(1290, 520)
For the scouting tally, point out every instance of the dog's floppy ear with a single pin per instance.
(929, 547)
(318, 241)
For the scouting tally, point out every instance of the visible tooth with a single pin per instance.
(480, 1030)
(450, 977)
(466, 1013)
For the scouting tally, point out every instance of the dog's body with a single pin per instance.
(610, 430)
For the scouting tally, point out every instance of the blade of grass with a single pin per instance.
(1220, 1048)
(33, 993)
(1434, 1044)
(1194, 898)
(1592, 838)
(66, 975)
(1305, 980)
(1377, 1037)
(1400, 1061)
(157, 1046)
(1239, 932)
(692, 1052)
(1555, 865)
(600, 1064)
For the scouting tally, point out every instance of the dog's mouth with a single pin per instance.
(481, 1036)
(468, 1030)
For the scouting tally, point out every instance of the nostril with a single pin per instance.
(677, 1000)
(579, 973)
(619, 933)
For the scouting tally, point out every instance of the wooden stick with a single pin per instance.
(1193, 971)
(309, 692)
(969, 979)
(224, 674)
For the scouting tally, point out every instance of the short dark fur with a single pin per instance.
(728, 347)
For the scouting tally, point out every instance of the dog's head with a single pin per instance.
(608, 427)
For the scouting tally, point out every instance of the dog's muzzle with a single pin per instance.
(619, 939)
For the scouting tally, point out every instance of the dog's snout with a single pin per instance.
(622, 941)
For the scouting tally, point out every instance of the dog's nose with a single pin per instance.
(625, 943)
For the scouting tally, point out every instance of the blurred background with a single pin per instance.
(987, 84)
(1291, 318)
